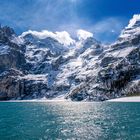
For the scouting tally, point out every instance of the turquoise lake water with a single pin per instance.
(69, 121)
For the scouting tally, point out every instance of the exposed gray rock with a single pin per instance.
(10, 85)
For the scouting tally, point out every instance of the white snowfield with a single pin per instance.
(126, 99)
(62, 99)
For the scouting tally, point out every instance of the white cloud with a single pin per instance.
(82, 34)
(62, 37)
(108, 25)
(106, 30)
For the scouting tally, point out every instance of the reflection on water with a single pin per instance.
(66, 120)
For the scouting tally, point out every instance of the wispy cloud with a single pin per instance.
(105, 30)
(37, 14)
(56, 15)
(108, 28)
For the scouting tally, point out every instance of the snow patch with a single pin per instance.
(76, 63)
(136, 80)
(4, 49)
(123, 52)
(17, 40)
(37, 77)
(132, 29)
(126, 99)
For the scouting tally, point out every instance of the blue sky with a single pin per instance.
(105, 18)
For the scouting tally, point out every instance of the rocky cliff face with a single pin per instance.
(50, 65)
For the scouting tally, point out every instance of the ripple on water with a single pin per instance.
(62, 120)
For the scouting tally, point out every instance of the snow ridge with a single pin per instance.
(133, 21)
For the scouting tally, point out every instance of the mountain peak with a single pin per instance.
(132, 30)
(134, 22)
(7, 30)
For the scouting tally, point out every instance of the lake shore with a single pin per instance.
(123, 99)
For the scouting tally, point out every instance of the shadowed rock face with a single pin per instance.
(6, 34)
(14, 59)
(34, 68)
(11, 55)
(10, 85)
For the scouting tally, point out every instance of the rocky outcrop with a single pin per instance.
(10, 85)
(11, 54)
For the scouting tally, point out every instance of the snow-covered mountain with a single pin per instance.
(49, 65)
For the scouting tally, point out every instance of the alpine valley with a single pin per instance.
(47, 65)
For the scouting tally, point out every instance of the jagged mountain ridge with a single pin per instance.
(48, 65)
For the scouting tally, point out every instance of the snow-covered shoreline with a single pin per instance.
(58, 99)
(34, 101)
(126, 99)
